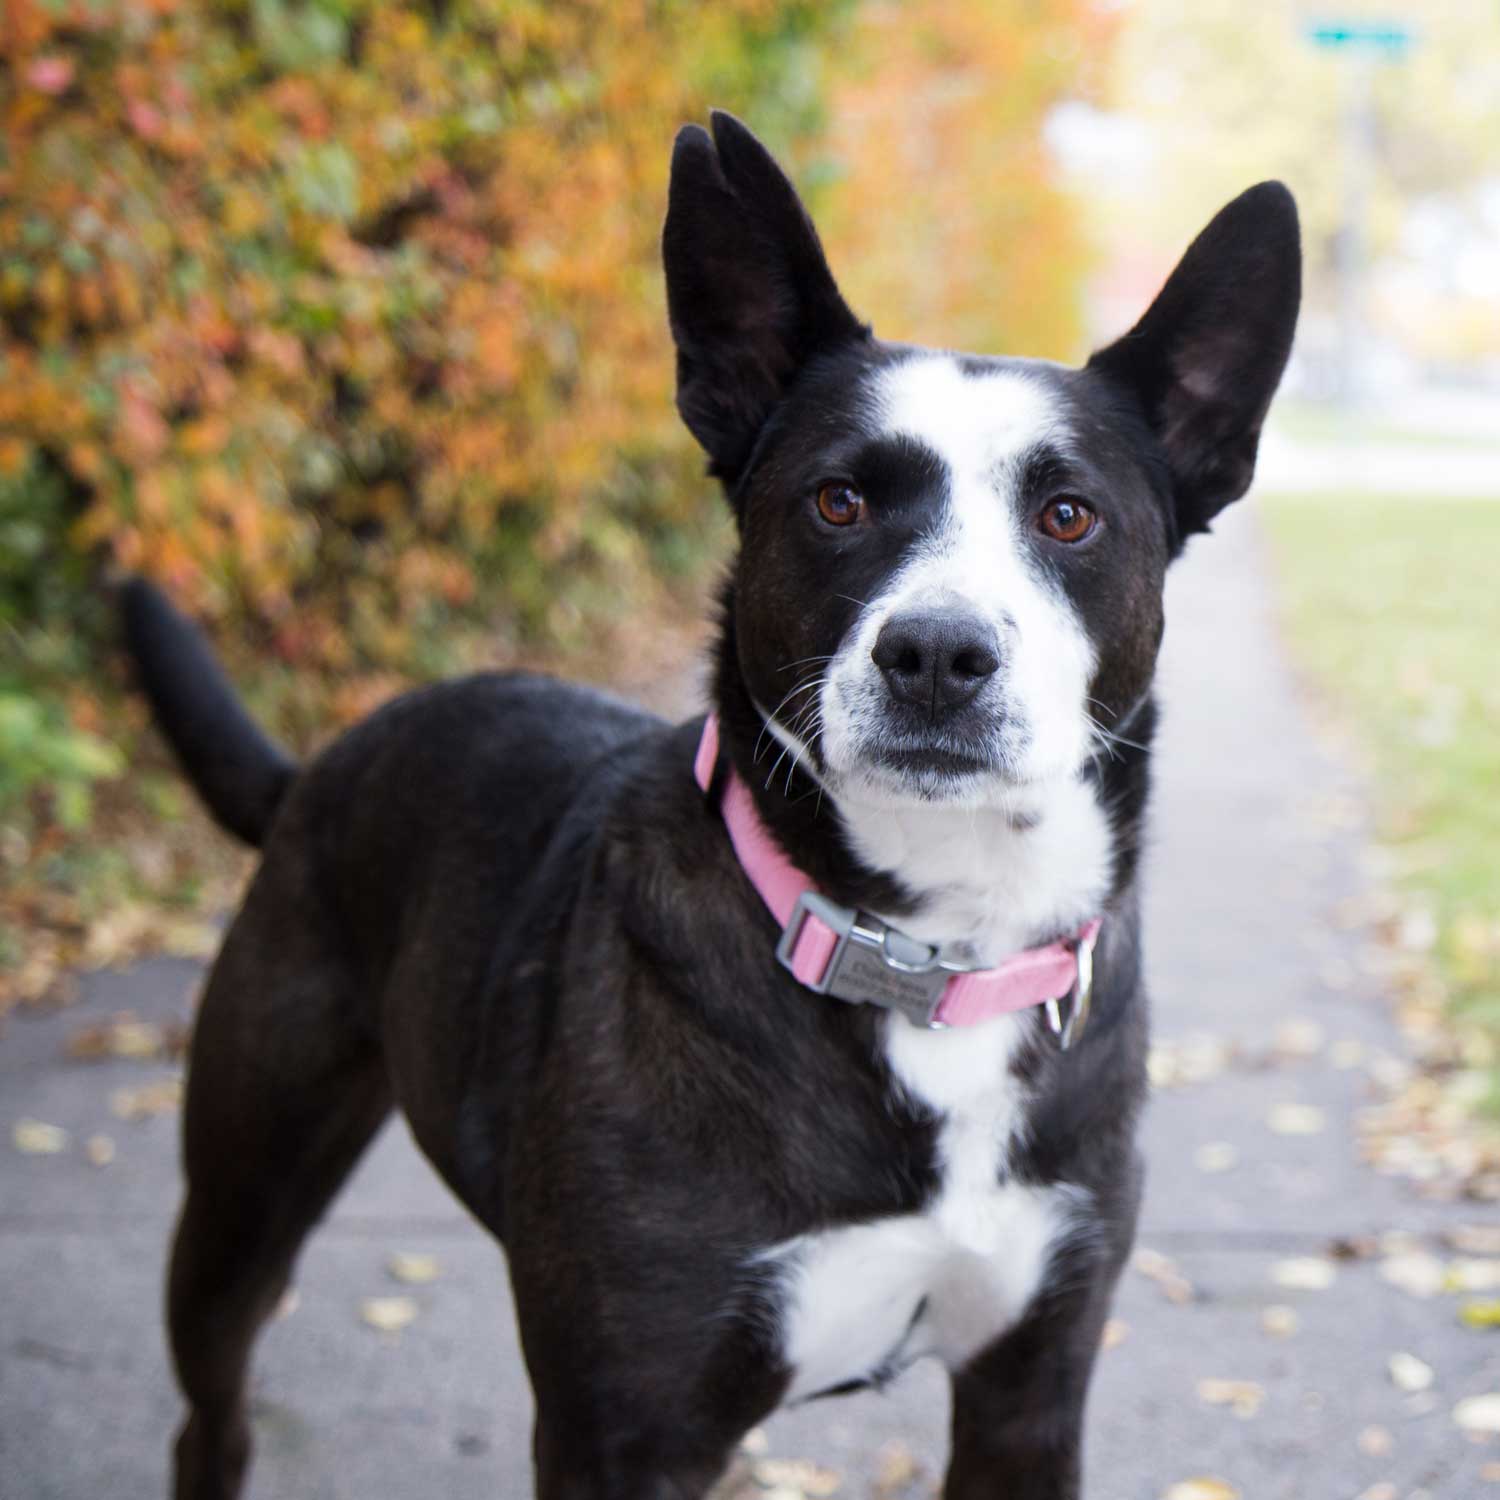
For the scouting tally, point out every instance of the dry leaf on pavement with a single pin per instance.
(1296, 1119)
(1304, 1273)
(1484, 1313)
(1155, 1266)
(388, 1314)
(1376, 1442)
(413, 1268)
(1280, 1321)
(37, 1138)
(798, 1475)
(1243, 1397)
(1408, 1373)
(1480, 1414)
(895, 1468)
(1202, 1489)
(1215, 1156)
(159, 1098)
(1418, 1274)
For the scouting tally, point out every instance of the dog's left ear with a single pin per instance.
(1208, 355)
(749, 293)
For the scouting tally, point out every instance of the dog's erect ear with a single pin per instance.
(1206, 359)
(749, 293)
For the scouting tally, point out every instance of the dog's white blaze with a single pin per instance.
(1002, 867)
(981, 425)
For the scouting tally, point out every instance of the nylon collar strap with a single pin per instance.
(851, 955)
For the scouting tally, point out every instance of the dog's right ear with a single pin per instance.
(749, 293)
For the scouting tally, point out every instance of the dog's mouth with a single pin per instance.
(907, 768)
(927, 761)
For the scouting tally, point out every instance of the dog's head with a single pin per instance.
(950, 578)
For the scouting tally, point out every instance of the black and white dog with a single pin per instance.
(510, 907)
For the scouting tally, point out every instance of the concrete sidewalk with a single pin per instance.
(1247, 871)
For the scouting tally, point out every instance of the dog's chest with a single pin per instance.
(861, 1301)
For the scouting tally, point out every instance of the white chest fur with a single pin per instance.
(865, 1299)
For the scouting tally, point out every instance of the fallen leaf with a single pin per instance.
(1418, 1274)
(290, 1301)
(36, 1138)
(1481, 1314)
(1490, 1473)
(1299, 1039)
(755, 1441)
(1305, 1273)
(1296, 1119)
(159, 1098)
(1280, 1321)
(1243, 1396)
(126, 1037)
(1116, 1330)
(895, 1468)
(800, 1476)
(413, 1268)
(1385, 1490)
(1375, 1442)
(1154, 1266)
(388, 1314)
(1215, 1156)
(1408, 1373)
(1479, 1414)
(100, 1150)
(1202, 1489)
(1472, 1276)
(1476, 1239)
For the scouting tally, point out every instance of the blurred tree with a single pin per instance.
(1231, 95)
(344, 319)
(334, 313)
(948, 224)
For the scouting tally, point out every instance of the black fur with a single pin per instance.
(503, 905)
(240, 773)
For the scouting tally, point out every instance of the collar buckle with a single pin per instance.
(871, 963)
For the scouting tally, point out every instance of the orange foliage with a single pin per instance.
(948, 225)
(310, 298)
(340, 314)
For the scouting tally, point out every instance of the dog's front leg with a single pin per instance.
(587, 1464)
(1018, 1404)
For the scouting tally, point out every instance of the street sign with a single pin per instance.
(1389, 37)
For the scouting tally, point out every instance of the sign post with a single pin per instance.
(1363, 43)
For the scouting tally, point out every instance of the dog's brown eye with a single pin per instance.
(1067, 520)
(839, 504)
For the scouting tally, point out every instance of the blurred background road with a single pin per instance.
(343, 320)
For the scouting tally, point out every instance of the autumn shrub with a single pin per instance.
(335, 315)
(344, 319)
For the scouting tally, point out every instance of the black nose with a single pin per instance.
(936, 660)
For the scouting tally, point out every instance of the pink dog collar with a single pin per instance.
(853, 956)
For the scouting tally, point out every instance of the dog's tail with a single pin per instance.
(236, 769)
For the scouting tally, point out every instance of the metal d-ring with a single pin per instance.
(1080, 996)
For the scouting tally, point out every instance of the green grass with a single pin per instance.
(1393, 604)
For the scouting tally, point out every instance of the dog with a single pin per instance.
(782, 1047)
